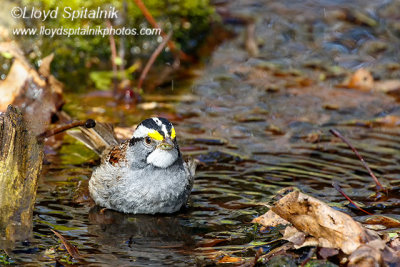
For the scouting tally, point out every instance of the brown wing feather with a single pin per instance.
(116, 154)
(98, 138)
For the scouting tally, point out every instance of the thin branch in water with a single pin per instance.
(309, 255)
(71, 249)
(339, 189)
(88, 124)
(379, 186)
(153, 59)
(154, 24)
(113, 56)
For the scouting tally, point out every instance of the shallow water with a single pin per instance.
(256, 130)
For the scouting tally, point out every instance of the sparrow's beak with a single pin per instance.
(166, 144)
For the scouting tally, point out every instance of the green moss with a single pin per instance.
(75, 153)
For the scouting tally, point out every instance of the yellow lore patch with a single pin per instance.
(156, 136)
(173, 134)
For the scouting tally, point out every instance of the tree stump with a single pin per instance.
(20, 164)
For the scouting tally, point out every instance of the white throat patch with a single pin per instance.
(162, 158)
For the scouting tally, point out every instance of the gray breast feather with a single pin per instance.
(148, 191)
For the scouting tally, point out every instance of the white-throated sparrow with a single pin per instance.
(145, 174)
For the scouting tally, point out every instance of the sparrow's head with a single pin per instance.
(154, 142)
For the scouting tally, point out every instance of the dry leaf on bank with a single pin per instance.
(314, 217)
(317, 224)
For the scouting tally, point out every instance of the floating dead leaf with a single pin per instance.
(330, 106)
(304, 81)
(300, 239)
(274, 130)
(395, 244)
(327, 252)
(314, 217)
(270, 219)
(366, 256)
(72, 250)
(362, 79)
(314, 223)
(387, 221)
(375, 227)
(293, 235)
(153, 105)
(230, 259)
(313, 137)
(391, 257)
(272, 88)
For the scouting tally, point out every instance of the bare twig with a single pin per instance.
(379, 186)
(88, 124)
(309, 255)
(113, 56)
(339, 189)
(152, 59)
(154, 24)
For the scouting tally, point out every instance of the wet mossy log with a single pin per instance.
(20, 165)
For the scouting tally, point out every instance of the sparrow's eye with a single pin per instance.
(148, 140)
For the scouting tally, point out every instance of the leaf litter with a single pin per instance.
(314, 223)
